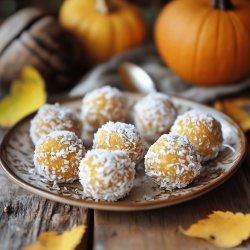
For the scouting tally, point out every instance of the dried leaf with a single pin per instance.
(238, 109)
(52, 241)
(27, 95)
(223, 229)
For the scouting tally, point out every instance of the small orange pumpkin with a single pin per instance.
(206, 42)
(103, 28)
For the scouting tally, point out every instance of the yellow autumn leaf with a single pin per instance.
(52, 241)
(236, 109)
(26, 95)
(223, 229)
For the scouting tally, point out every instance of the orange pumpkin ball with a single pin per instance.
(202, 130)
(52, 117)
(58, 155)
(103, 105)
(106, 175)
(120, 136)
(172, 162)
(154, 115)
(205, 42)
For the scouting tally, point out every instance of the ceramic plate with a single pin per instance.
(16, 158)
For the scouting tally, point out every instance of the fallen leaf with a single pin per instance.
(27, 95)
(223, 229)
(52, 241)
(238, 109)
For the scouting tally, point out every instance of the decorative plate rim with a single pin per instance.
(126, 205)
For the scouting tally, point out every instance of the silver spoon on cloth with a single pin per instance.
(135, 79)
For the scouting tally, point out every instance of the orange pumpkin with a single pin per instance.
(103, 28)
(205, 42)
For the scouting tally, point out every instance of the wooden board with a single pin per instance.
(24, 216)
(160, 229)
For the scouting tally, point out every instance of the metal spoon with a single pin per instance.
(135, 79)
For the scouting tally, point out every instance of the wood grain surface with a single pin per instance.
(23, 216)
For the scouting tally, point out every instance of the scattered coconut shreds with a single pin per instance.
(126, 132)
(52, 118)
(193, 123)
(102, 105)
(171, 144)
(106, 175)
(154, 115)
(46, 159)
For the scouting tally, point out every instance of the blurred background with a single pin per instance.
(74, 54)
(8, 7)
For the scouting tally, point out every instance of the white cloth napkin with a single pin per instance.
(166, 81)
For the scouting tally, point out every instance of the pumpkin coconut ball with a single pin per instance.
(102, 105)
(51, 118)
(154, 115)
(172, 162)
(106, 175)
(120, 136)
(58, 155)
(202, 130)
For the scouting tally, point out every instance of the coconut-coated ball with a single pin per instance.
(102, 105)
(58, 155)
(154, 115)
(52, 117)
(118, 135)
(172, 162)
(106, 175)
(202, 130)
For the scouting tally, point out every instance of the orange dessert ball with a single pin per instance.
(58, 155)
(103, 105)
(154, 115)
(202, 130)
(50, 118)
(172, 162)
(106, 175)
(118, 135)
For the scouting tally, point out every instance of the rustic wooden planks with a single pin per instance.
(160, 229)
(23, 216)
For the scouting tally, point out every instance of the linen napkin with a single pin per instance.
(166, 81)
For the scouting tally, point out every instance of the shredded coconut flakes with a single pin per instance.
(53, 117)
(43, 160)
(190, 123)
(172, 145)
(114, 174)
(127, 132)
(115, 101)
(154, 115)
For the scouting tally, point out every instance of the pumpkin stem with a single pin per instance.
(104, 6)
(222, 4)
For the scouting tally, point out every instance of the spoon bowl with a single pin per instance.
(135, 79)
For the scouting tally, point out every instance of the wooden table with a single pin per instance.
(24, 216)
